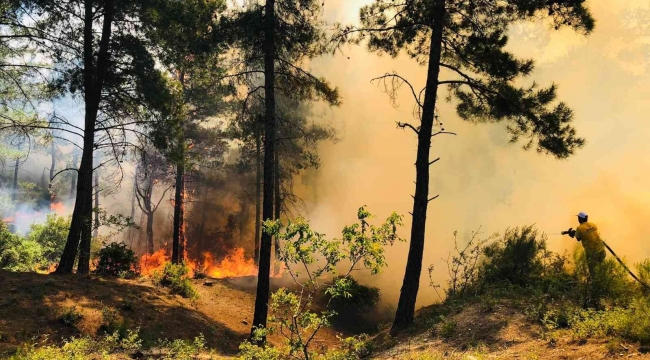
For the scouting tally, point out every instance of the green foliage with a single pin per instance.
(116, 259)
(485, 76)
(518, 270)
(83, 348)
(16, 253)
(293, 314)
(182, 349)
(447, 328)
(112, 346)
(610, 282)
(113, 324)
(632, 322)
(517, 258)
(52, 236)
(175, 277)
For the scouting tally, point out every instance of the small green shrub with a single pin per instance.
(447, 328)
(116, 259)
(610, 282)
(352, 348)
(516, 258)
(175, 277)
(17, 253)
(70, 316)
(51, 235)
(83, 348)
(113, 323)
(183, 349)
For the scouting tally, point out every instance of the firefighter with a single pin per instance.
(587, 234)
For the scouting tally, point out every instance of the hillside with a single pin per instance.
(500, 330)
(33, 307)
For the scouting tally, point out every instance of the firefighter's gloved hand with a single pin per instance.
(569, 232)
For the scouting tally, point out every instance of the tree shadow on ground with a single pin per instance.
(33, 307)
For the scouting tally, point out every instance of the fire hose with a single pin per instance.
(572, 232)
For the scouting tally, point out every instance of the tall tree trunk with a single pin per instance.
(52, 166)
(80, 225)
(258, 193)
(14, 193)
(150, 244)
(96, 227)
(83, 265)
(262, 296)
(278, 208)
(408, 294)
(73, 182)
(177, 238)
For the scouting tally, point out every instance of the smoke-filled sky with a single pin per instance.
(481, 178)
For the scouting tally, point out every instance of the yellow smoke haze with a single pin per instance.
(481, 178)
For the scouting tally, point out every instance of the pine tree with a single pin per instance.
(462, 44)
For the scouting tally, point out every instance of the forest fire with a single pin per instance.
(58, 208)
(235, 264)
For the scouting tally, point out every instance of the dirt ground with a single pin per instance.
(501, 333)
(32, 305)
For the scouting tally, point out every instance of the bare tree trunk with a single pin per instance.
(80, 225)
(263, 277)
(410, 286)
(15, 192)
(258, 193)
(278, 208)
(52, 165)
(177, 238)
(73, 182)
(150, 244)
(96, 228)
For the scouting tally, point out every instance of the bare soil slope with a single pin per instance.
(32, 306)
(502, 332)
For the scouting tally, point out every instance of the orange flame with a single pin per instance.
(235, 264)
(152, 262)
(58, 208)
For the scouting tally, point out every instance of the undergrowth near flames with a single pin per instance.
(176, 278)
(318, 265)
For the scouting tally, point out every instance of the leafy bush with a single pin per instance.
(175, 277)
(52, 236)
(16, 253)
(610, 282)
(643, 271)
(293, 314)
(117, 260)
(517, 258)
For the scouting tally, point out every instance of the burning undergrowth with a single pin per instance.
(234, 264)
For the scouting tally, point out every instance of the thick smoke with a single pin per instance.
(481, 178)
